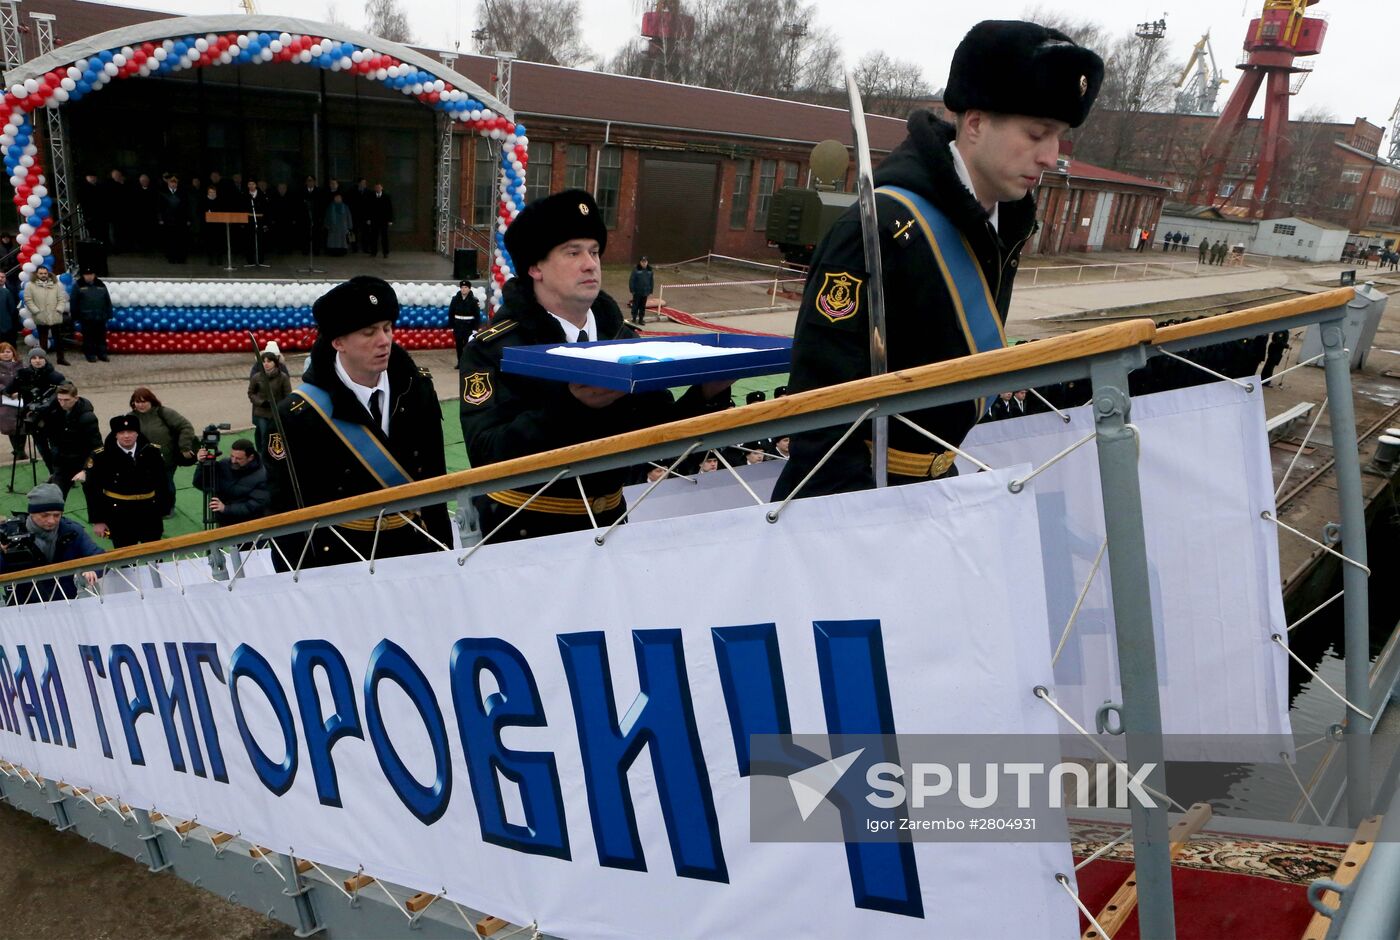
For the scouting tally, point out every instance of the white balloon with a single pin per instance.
(74, 72)
(381, 74)
(161, 54)
(44, 250)
(21, 171)
(243, 41)
(202, 44)
(357, 57)
(31, 85)
(118, 60)
(31, 340)
(29, 323)
(33, 201)
(29, 267)
(110, 69)
(18, 90)
(276, 45)
(266, 55)
(67, 84)
(41, 191)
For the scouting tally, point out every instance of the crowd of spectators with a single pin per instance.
(171, 215)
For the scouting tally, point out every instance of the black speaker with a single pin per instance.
(92, 254)
(464, 267)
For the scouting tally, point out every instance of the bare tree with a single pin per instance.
(890, 86)
(1311, 163)
(387, 18)
(1086, 33)
(535, 30)
(763, 47)
(333, 15)
(1139, 77)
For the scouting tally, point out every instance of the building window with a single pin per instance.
(609, 183)
(739, 207)
(540, 173)
(484, 182)
(1344, 201)
(1351, 176)
(1280, 229)
(402, 159)
(1226, 189)
(576, 167)
(790, 171)
(767, 175)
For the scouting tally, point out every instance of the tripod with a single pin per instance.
(31, 450)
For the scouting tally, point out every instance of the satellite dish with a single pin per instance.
(829, 161)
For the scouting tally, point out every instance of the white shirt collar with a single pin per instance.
(129, 451)
(362, 392)
(571, 331)
(960, 167)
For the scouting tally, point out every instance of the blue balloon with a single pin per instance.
(105, 55)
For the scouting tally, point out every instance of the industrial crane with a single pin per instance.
(1282, 33)
(1198, 89)
(1394, 155)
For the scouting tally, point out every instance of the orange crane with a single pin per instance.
(1281, 34)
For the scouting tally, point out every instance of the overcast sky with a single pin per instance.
(1355, 75)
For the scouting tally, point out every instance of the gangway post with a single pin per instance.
(1356, 613)
(1141, 711)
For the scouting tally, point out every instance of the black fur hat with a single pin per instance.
(551, 221)
(353, 305)
(1015, 67)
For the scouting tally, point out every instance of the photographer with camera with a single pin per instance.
(70, 426)
(236, 485)
(43, 537)
(34, 386)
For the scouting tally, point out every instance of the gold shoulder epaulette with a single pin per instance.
(495, 330)
(426, 373)
(297, 405)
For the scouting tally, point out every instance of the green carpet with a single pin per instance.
(189, 501)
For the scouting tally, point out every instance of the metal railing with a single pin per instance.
(1104, 355)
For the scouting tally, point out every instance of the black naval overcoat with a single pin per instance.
(327, 469)
(831, 343)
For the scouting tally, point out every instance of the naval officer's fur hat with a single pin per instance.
(549, 222)
(1015, 67)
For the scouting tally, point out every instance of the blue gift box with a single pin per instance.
(769, 355)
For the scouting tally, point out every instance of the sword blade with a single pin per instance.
(875, 282)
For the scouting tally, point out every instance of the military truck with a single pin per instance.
(798, 218)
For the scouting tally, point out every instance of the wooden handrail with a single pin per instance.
(1058, 349)
(1337, 297)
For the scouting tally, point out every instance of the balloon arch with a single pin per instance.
(172, 45)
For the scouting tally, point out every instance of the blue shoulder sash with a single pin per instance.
(358, 439)
(972, 298)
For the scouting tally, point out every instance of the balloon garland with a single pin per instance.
(86, 75)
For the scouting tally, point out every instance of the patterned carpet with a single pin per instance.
(1287, 861)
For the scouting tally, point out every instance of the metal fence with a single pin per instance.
(309, 897)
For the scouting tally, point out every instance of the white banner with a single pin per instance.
(703, 492)
(557, 732)
(1213, 562)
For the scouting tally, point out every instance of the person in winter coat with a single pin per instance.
(236, 486)
(169, 431)
(46, 301)
(339, 227)
(639, 285)
(9, 414)
(92, 307)
(72, 433)
(1015, 89)
(55, 540)
(30, 385)
(268, 386)
(464, 316)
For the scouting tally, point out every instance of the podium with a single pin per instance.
(228, 219)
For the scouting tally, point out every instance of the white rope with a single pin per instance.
(1016, 486)
(338, 886)
(278, 548)
(1317, 740)
(243, 563)
(467, 919)
(1268, 516)
(506, 521)
(335, 530)
(263, 857)
(374, 542)
(773, 514)
(1299, 622)
(1046, 402)
(424, 532)
(602, 537)
(941, 442)
(1079, 602)
(1299, 452)
(179, 581)
(1105, 849)
(747, 489)
(1308, 669)
(1247, 386)
(122, 575)
(431, 901)
(168, 825)
(1296, 365)
(587, 504)
(533, 925)
(393, 899)
(1064, 883)
(306, 547)
(1283, 755)
(1043, 694)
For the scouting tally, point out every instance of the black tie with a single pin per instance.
(582, 336)
(375, 411)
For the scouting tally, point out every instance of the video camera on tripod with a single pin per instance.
(18, 543)
(31, 413)
(209, 439)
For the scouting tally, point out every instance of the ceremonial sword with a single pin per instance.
(875, 281)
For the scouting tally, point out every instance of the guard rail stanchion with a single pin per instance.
(60, 807)
(1132, 614)
(1356, 616)
(296, 889)
(146, 832)
(1368, 908)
